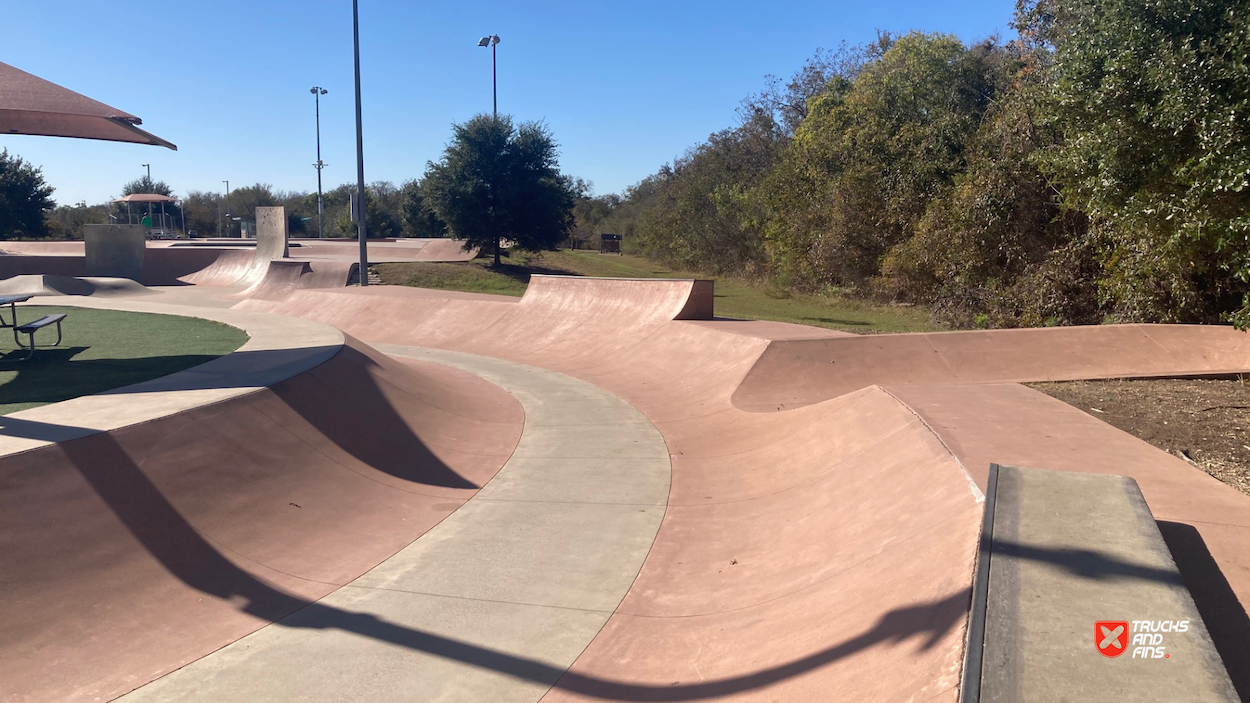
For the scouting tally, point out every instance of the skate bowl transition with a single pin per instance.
(600, 491)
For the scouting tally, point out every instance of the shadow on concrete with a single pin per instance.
(189, 557)
(1223, 613)
(337, 397)
(53, 374)
(344, 402)
(1087, 563)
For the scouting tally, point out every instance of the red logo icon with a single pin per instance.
(1111, 637)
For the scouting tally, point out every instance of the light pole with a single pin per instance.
(150, 188)
(360, 153)
(317, 92)
(227, 207)
(492, 41)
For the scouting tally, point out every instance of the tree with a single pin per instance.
(24, 198)
(498, 181)
(1153, 101)
(147, 185)
(419, 219)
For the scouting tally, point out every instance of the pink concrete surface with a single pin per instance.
(385, 250)
(823, 514)
(130, 553)
(796, 372)
(285, 276)
(822, 520)
(231, 262)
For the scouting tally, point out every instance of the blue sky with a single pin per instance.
(624, 86)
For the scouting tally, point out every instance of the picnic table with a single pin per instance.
(11, 301)
(29, 328)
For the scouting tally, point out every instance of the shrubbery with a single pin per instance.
(1095, 168)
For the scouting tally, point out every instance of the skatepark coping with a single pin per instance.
(1062, 552)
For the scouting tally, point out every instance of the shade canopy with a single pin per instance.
(31, 105)
(145, 198)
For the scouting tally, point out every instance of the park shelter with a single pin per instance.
(34, 106)
(148, 198)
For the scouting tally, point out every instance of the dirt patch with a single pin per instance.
(1204, 421)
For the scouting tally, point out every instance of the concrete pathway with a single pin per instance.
(500, 598)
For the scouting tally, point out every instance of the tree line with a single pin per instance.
(497, 181)
(1094, 168)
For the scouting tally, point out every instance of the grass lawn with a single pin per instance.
(103, 349)
(740, 299)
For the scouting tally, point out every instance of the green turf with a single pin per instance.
(103, 349)
(734, 298)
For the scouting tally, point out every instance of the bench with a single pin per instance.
(30, 328)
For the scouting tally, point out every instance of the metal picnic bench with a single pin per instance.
(29, 328)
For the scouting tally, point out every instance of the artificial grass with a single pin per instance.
(102, 350)
(734, 298)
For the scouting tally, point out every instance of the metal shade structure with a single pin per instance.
(31, 105)
(145, 198)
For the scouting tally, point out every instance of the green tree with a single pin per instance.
(1152, 100)
(706, 215)
(872, 153)
(144, 184)
(24, 198)
(419, 220)
(499, 181)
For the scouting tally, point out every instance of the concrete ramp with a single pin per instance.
(49, 284)
(635, 299)
(285, 276)
(827, 544)
(797, 372)
(130, 553)
(227, 268)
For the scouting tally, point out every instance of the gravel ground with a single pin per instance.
(1204, 421)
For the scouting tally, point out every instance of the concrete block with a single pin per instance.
(271, 234)
(115, 251)
(1068, 551)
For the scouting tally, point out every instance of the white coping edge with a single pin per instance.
(278, 348)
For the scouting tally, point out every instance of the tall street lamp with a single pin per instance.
(150, 188)
(227, 207)
(317, 92)
(360, 153)
(492, 41)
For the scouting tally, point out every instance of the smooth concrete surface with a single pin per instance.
(271, 232)
(824, 549)
(497, 600)
(1070, 549)
(114, 251)
(51, 284)
(130, 553)
(1205, 522)
(822, 546)
(285, 276)
(278, 347)
(777, 518)
(793, 372)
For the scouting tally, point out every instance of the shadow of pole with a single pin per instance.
(190, 558)
(1087, 563)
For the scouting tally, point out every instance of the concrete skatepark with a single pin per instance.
(596, 492)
